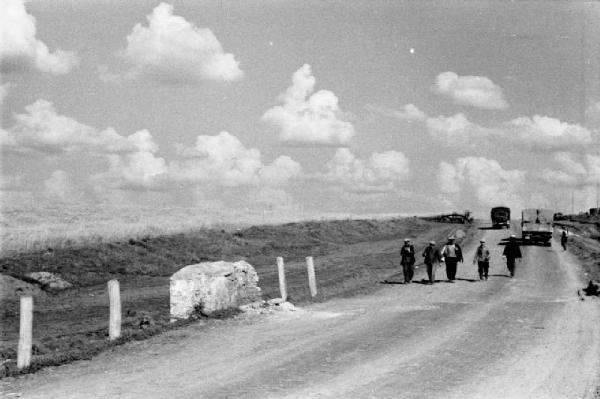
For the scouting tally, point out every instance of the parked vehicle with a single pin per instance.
(500, 216)
(537, 226)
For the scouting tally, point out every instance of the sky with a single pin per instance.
(322, 106)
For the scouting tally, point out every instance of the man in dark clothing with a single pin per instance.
(482, 258)
(564, 239)
(452, 254)
(512, 252)
(432, 259)
(407, 254)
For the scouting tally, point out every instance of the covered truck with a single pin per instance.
(536, 225)
(500, 216)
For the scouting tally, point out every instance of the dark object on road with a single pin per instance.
(592, 289)
(512, 252)
(563, 240)
(536, 225)
(453, 217)
(500, 216)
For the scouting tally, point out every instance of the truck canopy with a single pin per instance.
(537, 216)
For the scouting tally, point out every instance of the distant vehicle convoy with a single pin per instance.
(500, 216)
(536, 225)
(453, 217)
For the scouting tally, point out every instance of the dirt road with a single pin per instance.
(526, 337)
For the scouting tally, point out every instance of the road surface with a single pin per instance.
(526, 337)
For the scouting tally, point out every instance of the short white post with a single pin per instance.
(25, 333)
(312, 280)
(114, 297)
(282, 283)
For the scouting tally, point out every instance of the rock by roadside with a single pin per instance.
(263, 307)
(49, 281)
(12, 288)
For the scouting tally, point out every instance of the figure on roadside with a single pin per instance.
(432, 260)
(452, 254)
(564, 239)
(511, 253)
(482, 258)
(407, 254)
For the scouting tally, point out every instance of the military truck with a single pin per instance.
(537, 226)
(500, 216)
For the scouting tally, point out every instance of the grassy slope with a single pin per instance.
(351, 256)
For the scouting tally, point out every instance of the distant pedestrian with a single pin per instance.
(482, 258)
(564, 239)
(432, 260)
(511, 253)
(452, 254)
(407, 254)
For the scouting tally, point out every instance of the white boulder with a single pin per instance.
(212, 286)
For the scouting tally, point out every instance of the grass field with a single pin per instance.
(351, 256)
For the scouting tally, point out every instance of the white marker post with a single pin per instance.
(114, 297)
(312, 280)
(282, 283)
(25, 333)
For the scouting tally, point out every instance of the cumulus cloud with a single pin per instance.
(540, 133)
(491, 184)
(19, 48)
(477, 91)
(223, 160)
(456, 130)
(137, 170)
(545, 133)
(41, 129)
(382, 172)
(308, 118)
(409, 112)
(59, 186)
(571, 172)
(174, 50)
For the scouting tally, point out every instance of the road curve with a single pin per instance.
(525, 337)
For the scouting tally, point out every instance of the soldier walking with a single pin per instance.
(407, 254)
(511, 253)
(564, 239)
(482, 258)
(432, 260)
(452, 254)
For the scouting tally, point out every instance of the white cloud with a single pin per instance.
(41, 129)
(572, 173)
(456, 130)
(409, 112)
(280, 171)
(491, 184)
(545, 133)
(174, 50)
(59, 186)
(19, 48)
(306, 118)
(223, 160)
(382, 172)
(477, 91)
(3, 92)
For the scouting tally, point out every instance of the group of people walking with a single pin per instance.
(451, 254)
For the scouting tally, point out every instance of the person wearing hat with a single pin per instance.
(511, 252)
(452, 254)
(432, 260)
(482, 258)
(407, 254)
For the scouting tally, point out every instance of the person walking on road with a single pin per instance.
(432, 260)
(564, 239)
(482, 258)
(407, 254)
(511, 253)
(452, 254)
